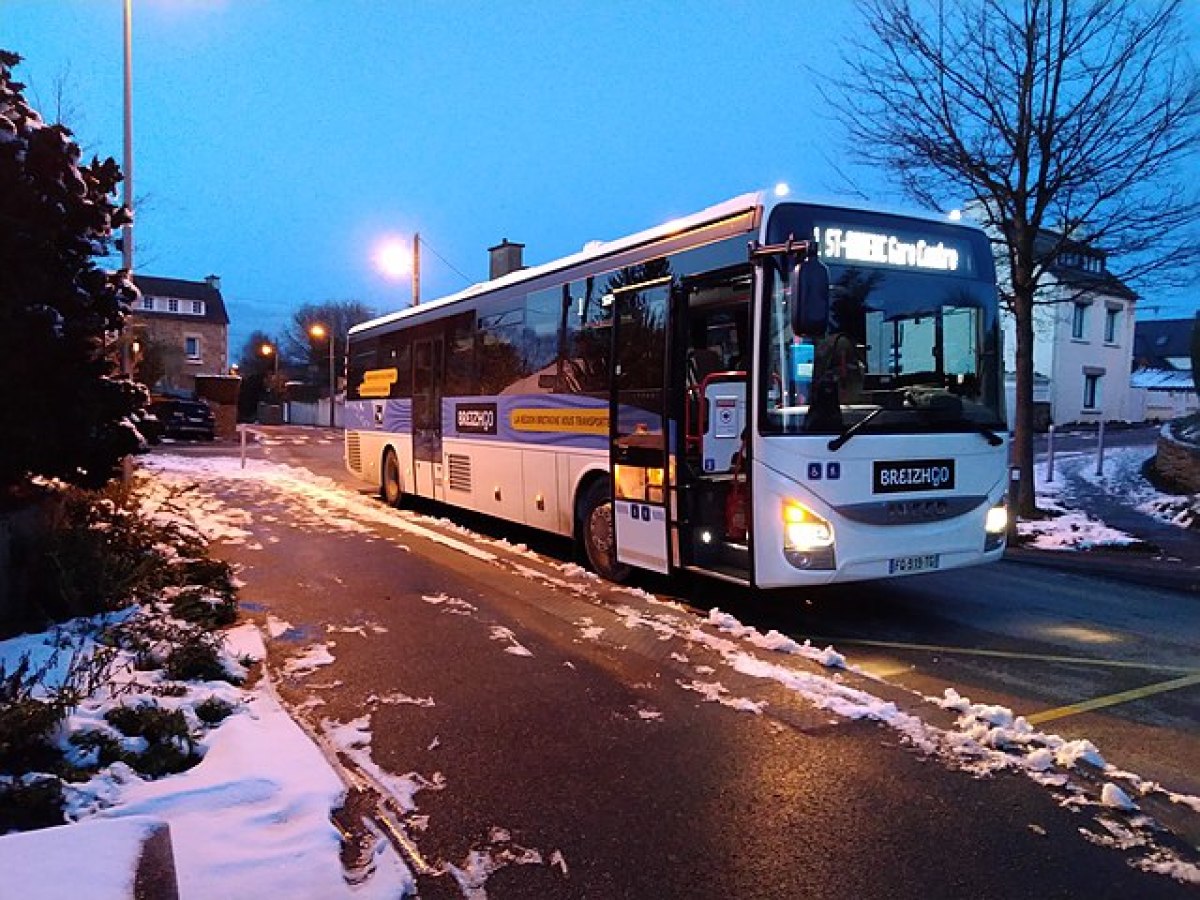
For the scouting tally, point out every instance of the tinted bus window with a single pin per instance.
(395, 352)
(539, 338)
(362, 359)
(588, 343)
(460, 356)
(499, 348)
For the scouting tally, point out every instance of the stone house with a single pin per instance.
(179, 329)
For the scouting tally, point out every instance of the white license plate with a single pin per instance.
(903, 565)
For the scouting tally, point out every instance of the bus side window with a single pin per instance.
(363, 355)
(499, 346)
(586, 361)
(395, 352)
(539, 338)
(461, 379)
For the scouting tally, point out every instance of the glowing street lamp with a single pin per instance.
(395, 259)
(320, 332)
(268, 351)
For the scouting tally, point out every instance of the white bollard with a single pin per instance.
(1050, 455)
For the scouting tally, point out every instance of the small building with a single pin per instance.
(1162, 376)
(1083, 340)
(179, 330)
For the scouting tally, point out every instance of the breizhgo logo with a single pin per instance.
(475, 418)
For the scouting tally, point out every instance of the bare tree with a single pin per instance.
(1063, 122)
(336, 318)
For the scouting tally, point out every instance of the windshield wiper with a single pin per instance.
(992, 438)
(838, 442)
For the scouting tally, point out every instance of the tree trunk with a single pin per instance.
(1022, 446)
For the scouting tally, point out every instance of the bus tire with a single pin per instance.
(596, 534)
(389, 487)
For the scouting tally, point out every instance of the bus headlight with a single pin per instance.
(997, 520)
(807, 538)
(995, 527)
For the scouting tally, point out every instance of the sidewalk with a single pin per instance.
(1169, 556)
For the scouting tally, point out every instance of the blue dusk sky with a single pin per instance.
(276, 142)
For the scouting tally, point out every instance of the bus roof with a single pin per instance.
(594, 250)
(743, 203)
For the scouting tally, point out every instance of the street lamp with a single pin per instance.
(395, 259)
(127, 230)
(320, 332)
(269, 350)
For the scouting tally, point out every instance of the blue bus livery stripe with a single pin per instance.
(379, 415)
(557, 420)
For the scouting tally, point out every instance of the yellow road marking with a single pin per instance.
(1006, 654)
(1062, 712)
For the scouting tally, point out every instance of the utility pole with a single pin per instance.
(127, 230)
(416, 269)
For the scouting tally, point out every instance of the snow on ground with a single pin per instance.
(1122, 477)
(984, 739)
(252, 819)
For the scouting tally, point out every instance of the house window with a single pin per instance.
(1091, 390)
(1110, 325)
(191, 347)
(197, 307)
(147, 303)
(1079, 321)
(172, 305)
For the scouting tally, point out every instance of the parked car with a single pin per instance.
(185, 418)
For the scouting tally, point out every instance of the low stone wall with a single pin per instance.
(1178, 463)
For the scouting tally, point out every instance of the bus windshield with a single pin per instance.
(912, 342)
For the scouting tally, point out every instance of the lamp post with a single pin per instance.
(268, 350)
(320, 332)
(127, 230)
(394, 259)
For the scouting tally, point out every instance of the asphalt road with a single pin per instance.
(593, 752)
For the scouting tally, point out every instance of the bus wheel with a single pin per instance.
(597, 535)
(389, 489)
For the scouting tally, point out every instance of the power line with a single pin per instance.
(446, 262)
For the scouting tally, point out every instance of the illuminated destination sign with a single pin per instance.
(877, 248)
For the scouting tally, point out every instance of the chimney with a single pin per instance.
(505, 258)
(213, 281)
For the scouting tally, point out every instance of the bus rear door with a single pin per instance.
(428, 377)
(637, 428)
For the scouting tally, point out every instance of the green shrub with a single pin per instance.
(27, 806)
(199, 606)
(150, 721)
(170, 747)
(106, 747)
(197, 659)
(213, 710)
(25, 728)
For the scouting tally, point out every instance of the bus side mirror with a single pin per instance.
(808, 297)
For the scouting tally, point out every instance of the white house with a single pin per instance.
(1083, 343)
(1162, 377)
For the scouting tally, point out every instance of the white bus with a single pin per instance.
(771, 392)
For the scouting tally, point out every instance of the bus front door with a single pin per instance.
(428, 373)
(637, 430)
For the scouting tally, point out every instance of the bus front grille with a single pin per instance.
(460, 472)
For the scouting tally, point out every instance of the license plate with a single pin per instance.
(903, 565)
